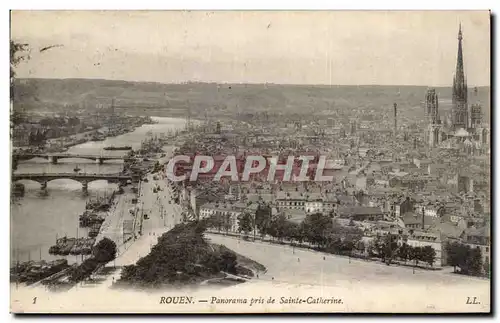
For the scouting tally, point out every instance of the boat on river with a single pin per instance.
(94, 230)
(83, 246)
(118, 148)
(18, 189)
(63, 246)
(33, 271)
(87, 219)
(98, 137)
(102, 203)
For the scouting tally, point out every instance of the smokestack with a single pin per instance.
(423, 219)
(395, 119)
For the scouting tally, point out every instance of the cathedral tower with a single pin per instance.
(475, 116)
(459, 112)
(432, 106)
(433, 133)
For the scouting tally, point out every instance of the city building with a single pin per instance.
(479, 238)
(464, 131)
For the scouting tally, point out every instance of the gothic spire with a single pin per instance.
(459, 100)
(459, 73)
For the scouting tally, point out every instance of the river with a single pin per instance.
(39, 217)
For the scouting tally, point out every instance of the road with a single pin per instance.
(362, 286)
(163, 215)
(112, 227)
(291, 265)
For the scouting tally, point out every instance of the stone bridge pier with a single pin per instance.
(52, 159)
(99, 160)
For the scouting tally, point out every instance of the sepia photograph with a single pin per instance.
(250, 162)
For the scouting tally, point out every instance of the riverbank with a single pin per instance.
(62, 144)
(116, 225)
(153, 200)
(141, 208)
(55, 211)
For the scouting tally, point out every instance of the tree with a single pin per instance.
(376, 247)
(18, 53)
(390, 247)
(317, 227)
(279, 227)
(157, 167)
(245, 223)
(200, 227)
(457, 254)
(226, 220)
(403, 252)
(215, 221)
(360, 246)
(428, 255)
(415, 254)
(486, 267)
(104, 251)
(228, 262)
(347, 238)
(84, 270)
(347, 246)
(294, 232)
(73, 121)
(263, 218)
(181, 255)
(384, 247)
(272, 229)
(468, 259)
(474, 263)
(371, 248)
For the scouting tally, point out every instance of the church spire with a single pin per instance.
(459, 74)
(459, 100)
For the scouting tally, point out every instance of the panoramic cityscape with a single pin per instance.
(227, 189)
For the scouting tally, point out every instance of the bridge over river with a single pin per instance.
(53, 158)
(85, 179)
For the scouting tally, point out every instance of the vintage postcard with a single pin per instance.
(250, 162)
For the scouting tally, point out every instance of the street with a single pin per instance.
(162, 216)
(288, 265)
(112, 227)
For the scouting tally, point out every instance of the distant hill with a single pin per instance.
(202, 97)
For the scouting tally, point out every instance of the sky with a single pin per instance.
(302, 47)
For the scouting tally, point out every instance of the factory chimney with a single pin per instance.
(423, 218)
(395, 119)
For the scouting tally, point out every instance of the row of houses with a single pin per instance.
(362, 206)
(425, 219)
(414, 230)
